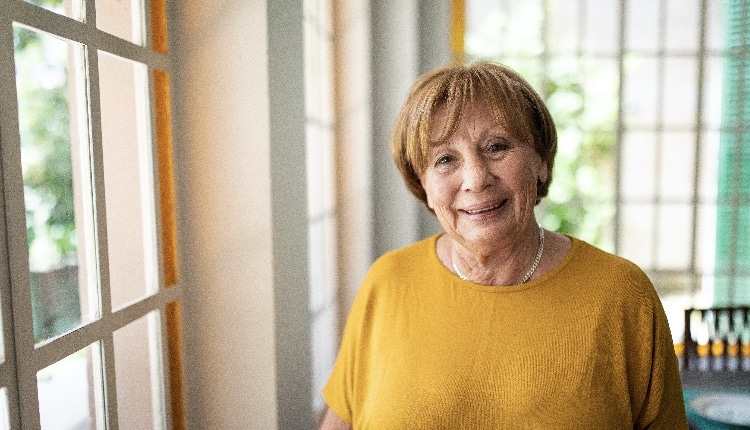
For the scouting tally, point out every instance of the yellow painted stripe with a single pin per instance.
(159, 26)
(166, 176)
(458, 28)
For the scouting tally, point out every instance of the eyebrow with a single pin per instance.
(497, 129)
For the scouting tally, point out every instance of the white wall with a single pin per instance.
(353, 106)
(395, 65)
(323, 214)
(221, 118)
(252, 337)
(408, 37)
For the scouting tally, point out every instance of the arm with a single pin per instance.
(664, 407)
(331, 421)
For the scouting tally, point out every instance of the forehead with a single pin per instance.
(474, 118)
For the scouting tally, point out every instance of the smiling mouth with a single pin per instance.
(483, 210)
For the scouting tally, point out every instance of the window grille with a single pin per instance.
(90, 295)
(650, 100)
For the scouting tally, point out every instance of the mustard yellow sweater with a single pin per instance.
(587, 346)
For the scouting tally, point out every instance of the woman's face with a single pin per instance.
(481, 182)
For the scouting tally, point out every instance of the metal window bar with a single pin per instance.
(699, 144)
(692, 271)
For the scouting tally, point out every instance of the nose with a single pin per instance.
(476, 174)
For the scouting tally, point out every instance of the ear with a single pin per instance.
(543, 172)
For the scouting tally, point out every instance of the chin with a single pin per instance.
(486, 236)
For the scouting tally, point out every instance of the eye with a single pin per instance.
(498, 145)
(443, 160)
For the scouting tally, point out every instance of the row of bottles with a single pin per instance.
(716, 339)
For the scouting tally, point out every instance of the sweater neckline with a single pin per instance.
(533, 283)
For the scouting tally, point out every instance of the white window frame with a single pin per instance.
(22, 357)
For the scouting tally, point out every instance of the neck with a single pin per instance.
(508, 270)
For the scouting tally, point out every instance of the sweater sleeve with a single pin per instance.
(338, 391)
(344, 388)
(664, 406)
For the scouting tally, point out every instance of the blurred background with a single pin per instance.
(650, 100)
(284, 192)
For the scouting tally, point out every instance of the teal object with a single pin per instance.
(732, 285)
(701, 422)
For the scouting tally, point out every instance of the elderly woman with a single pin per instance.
(496, 323)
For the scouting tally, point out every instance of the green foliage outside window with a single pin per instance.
(580, 200)
(45, 140)
(41, 62)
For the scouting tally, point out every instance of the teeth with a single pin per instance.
(478, 211)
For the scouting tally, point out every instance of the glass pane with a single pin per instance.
(70, 391)
(602, 39)
(123, 18)
(128, 179)
(674, 237)
(638, 178)
(712, 83)
(640, 91)
(709, 166)
(713, 24)
(643, 25)
(677, 171)
(636, 236)
(4, 414)
(563, 20)
(71, 8)
(599, 81)
(57, 196)
(682, 25)
(503, 31)
(138, 373)
(680, 92)
(706, 231)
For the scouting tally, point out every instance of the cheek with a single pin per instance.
(438, 192)
(427, 190)
(429, 201)
(531, 171)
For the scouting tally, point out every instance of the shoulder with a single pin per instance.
(394, 281)
(407, 259)
(614, 276)
(606, 263)
(397, 269)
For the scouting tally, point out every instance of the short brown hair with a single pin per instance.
(514, 102)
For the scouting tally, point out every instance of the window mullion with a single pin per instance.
(169, 343)
(16, 294)
(84, 32)
(97, 181)
(699, 140)
(89, 13)
(620, 127)
(110, 382)
(102, 256)
(657, 200)
(9, 138)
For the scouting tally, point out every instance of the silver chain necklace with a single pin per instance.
(532, 269)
